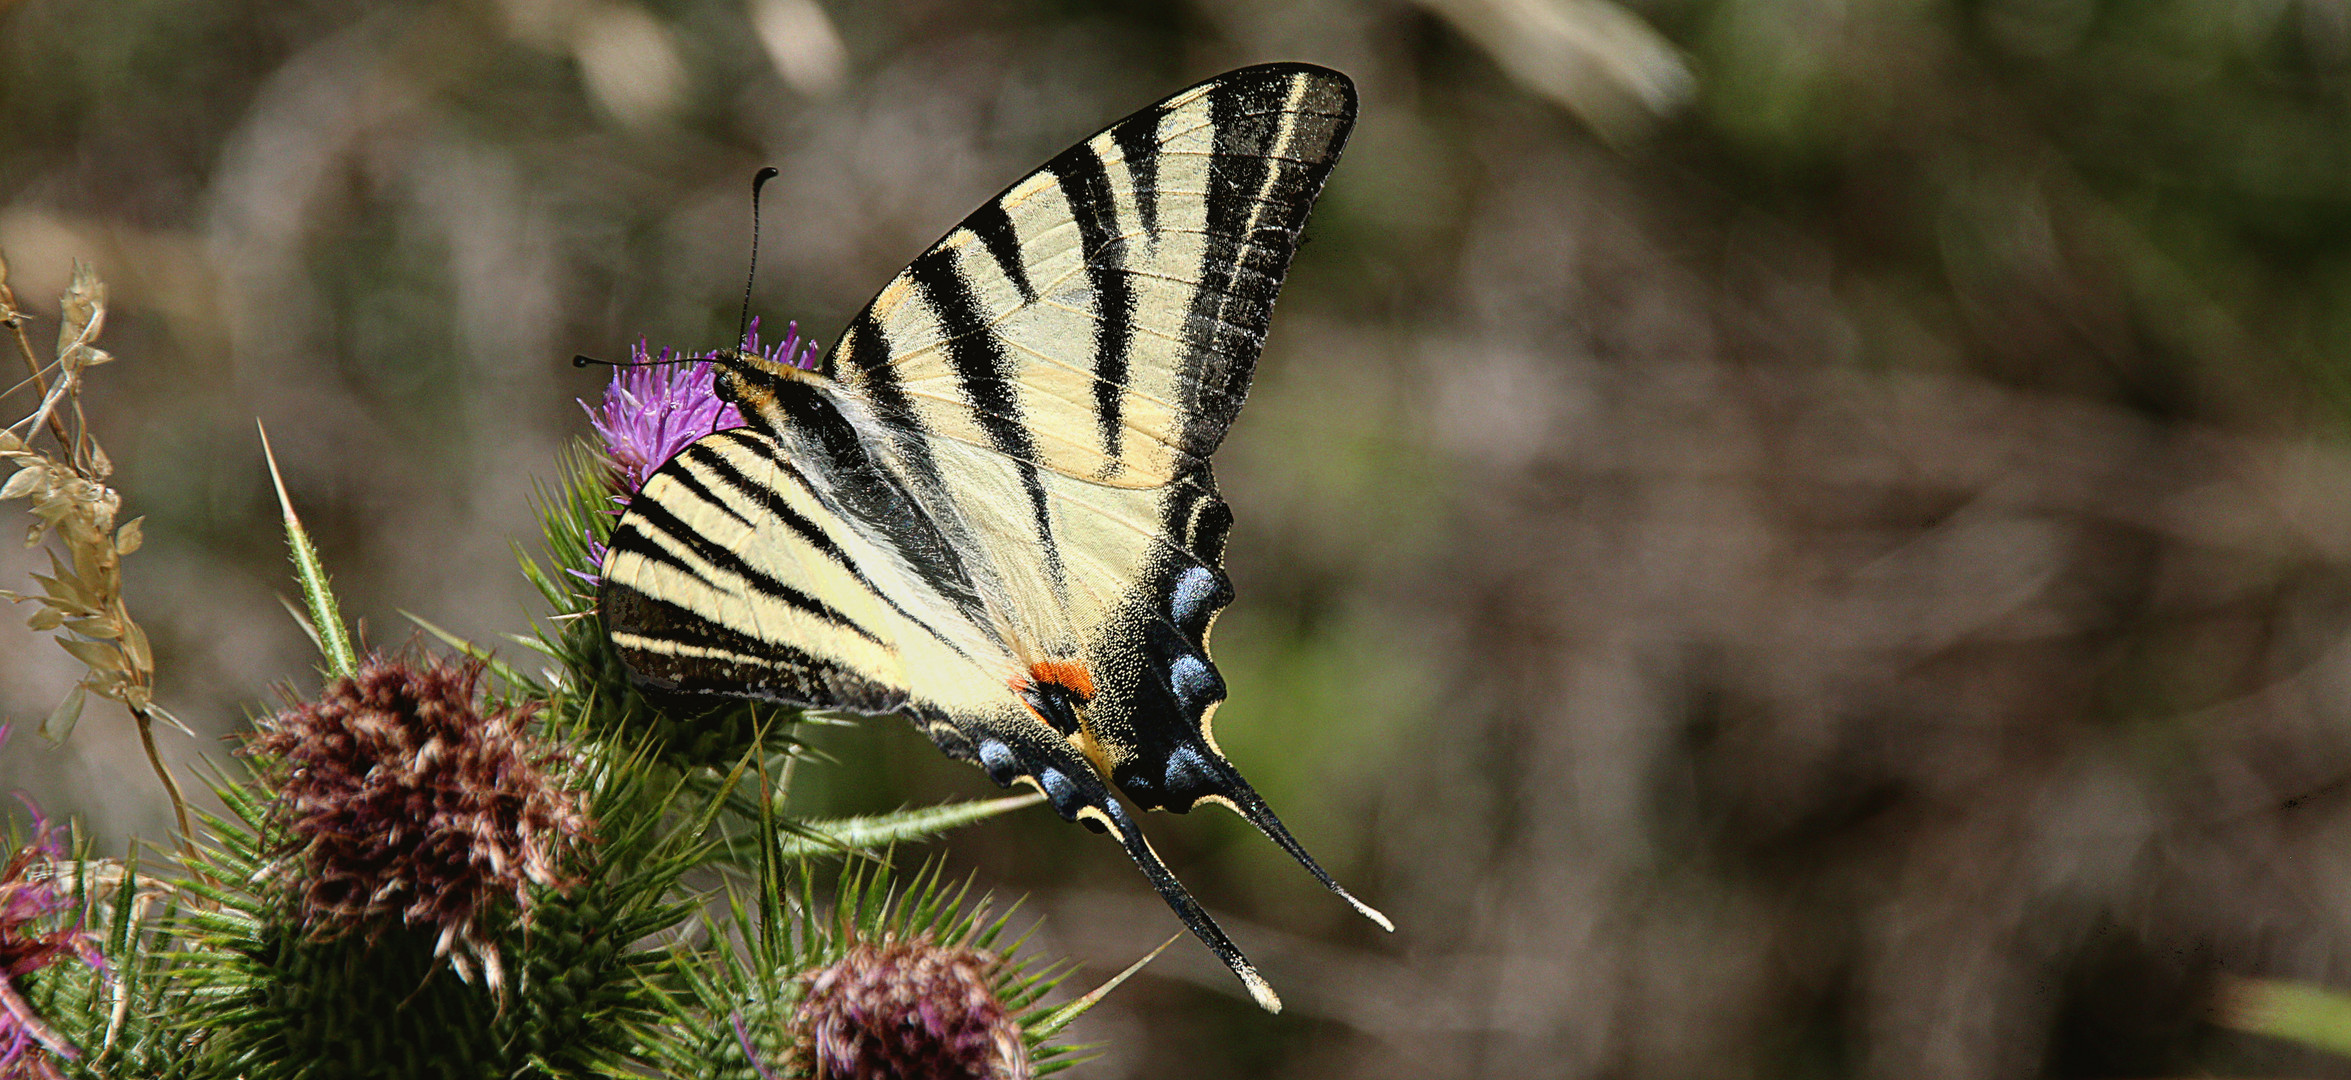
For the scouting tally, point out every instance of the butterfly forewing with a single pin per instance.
(730, 575)
(1122, 292)
(993, 509)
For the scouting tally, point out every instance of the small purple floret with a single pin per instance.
(792, 350)
(654, 408)
(34, 934)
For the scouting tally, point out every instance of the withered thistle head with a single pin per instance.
(401, 796)
(910, 1010)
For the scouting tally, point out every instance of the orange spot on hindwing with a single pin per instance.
(1070, 675)
(1056, 692)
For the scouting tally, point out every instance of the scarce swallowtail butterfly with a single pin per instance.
(989, 507)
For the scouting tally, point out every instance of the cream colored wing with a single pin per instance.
(728, 574)
(991, 506)
(1102, 317)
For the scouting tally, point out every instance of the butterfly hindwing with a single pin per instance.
(990, 506)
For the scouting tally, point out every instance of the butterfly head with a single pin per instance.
(750, 380)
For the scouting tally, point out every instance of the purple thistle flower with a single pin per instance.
(651, 410)
(33, 935)
(654, 408)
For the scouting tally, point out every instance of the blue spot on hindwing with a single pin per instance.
(1059, 791)
(1194, 682)
(1192, 598)
(997, 759)
(1186, 771)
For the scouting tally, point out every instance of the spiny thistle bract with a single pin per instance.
(580, 999)
(405, 882)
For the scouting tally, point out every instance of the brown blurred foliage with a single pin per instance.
(1776, 537)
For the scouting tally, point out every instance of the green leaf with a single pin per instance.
(2298, 1012)
(325, 617)
(872, 831)
(64, 717)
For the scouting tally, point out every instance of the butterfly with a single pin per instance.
(989, 507)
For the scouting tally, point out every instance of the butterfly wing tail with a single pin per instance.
(1242, 799)
(1115, 818)
(1070, 785)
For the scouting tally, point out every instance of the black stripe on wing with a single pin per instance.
(983, 372)
(671, 648)
(648, 518)
(1278, 130)
(993, 225)
(1085, 183)
(856, 485)
(1137, 138)
(806, 531)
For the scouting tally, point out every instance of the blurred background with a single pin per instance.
(1777, 538)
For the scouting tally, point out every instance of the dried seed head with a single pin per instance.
(399, 796)
(910, 1010)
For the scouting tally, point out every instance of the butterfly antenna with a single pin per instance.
(583, 361)
(743, 327)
